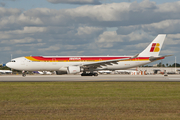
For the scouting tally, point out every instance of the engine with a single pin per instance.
(73, 69)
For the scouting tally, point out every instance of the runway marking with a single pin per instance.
(124, 78)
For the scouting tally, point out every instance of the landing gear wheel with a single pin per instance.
(89, 74)
(95, 74)
(24, 74)
(83, 74)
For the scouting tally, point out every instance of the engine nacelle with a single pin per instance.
(73, 69)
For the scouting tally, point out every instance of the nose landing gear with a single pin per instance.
(24, 73)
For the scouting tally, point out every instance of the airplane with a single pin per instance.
(88, 65)
(105, 72)
(43, 72)
(124, 71)
(5, 71)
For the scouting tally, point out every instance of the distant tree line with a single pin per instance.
(4, 68)
(164, 65)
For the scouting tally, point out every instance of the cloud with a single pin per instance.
(2, 4)
(109, 36)
(94, 2)
(131, 43)
(50, 48)
(22, 52)
(5, 49)
(11, 0)
(161, 27)
(4, 12)
(82, 30)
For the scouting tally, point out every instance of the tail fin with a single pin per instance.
(154, 47)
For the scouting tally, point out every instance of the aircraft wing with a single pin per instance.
(106, 62)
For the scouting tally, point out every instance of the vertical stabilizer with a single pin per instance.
(154, 47)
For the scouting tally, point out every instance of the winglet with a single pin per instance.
(135, 56)
(154, 47)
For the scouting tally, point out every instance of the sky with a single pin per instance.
(87, 27)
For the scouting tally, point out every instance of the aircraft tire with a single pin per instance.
(89, 74)
(95, 74)
(83, 74)
(24, 75)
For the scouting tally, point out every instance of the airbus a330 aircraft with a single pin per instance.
(88, 64)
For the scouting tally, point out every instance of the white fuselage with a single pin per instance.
(28, 65)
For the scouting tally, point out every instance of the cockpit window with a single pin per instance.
(13, 61)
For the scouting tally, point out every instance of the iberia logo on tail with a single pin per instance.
(155, 47)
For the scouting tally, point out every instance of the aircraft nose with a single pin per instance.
(8, 64)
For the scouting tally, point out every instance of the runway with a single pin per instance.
(100, 78)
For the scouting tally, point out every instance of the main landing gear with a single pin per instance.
(89, 74)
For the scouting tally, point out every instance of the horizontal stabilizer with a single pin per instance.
(158, 58)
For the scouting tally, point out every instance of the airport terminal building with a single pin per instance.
(159, 70)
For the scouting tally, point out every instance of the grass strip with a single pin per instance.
(90, 100)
